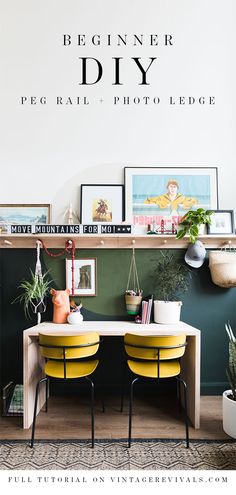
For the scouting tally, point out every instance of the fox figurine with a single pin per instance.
(61, 305)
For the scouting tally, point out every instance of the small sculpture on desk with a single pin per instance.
(61, 305)
(75, 317)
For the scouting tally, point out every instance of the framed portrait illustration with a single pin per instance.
(222, 222)
(84, 276)
(101, 204)
(24, 214)
(162, 195)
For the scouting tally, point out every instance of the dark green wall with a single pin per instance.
(205, 306)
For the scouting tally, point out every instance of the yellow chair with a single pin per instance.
(156, 358)
(68, 357)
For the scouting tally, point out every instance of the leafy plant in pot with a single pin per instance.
(229, 396)
(172, 277)
(33, 293)
(192, 222)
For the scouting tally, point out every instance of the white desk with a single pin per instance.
(33, 360)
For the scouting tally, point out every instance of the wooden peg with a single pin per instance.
(9, 243)
(133, 241)
(102, 242)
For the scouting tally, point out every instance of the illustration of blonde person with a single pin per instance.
(172, 199)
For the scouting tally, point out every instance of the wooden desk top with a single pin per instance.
(112, 328)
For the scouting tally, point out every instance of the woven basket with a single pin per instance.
(133, 304)
(222, 266)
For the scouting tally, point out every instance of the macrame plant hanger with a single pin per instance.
(133, 297)
(133, 274)
(38, 279)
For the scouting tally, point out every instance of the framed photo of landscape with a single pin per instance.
(84, 276)
(162, 195)
(24, 214)
(102, 204)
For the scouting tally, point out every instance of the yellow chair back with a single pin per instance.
(163, 347)
(69, 346)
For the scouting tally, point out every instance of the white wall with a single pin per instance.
(47, 151)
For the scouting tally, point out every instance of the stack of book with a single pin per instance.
(147, 310)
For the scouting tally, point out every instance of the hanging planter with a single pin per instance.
(34, 291)
(222, 265)
(133, 295)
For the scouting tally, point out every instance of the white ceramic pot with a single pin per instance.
(75, 317)
(229, 414)
(167, 312)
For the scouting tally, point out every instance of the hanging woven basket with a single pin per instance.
(133, 295)
(222, 265)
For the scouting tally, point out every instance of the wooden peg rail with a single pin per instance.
(125, 241)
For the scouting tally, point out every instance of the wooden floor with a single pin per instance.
(69, 418)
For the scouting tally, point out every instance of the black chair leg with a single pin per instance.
(35, 410)
(180, 380)
(130, 408)
(92, 408)
(102, 388)
(123, 386)
(179, 395)
(47, 390)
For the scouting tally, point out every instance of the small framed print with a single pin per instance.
(222, 222)
(102, 204)
(84, 276)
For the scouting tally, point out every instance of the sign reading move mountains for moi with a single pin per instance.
(70, 229)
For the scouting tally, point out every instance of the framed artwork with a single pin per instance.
(160, 196)
(222, 222)
(101, 204)
(24, 214)
(84, 276)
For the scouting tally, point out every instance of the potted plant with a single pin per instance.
(229, 396)
(33, 293)
(191, 223)
(171, 278)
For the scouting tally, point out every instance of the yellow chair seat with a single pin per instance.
(74, 369)
(149, 369)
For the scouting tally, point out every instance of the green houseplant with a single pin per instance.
(191, 222)
(229, 396)
(33, 293)
(171, 277)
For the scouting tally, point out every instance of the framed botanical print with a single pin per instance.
(102, 204)
(84, 276)
(162, 195)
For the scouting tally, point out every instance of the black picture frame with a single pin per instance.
(222, 222)
(108, 198)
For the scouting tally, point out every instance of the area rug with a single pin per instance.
(114, 454)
